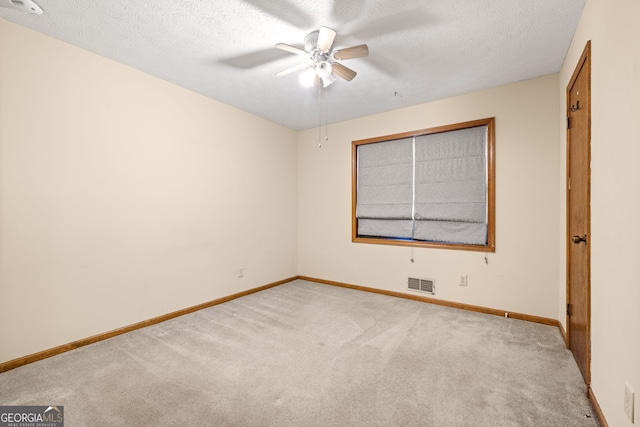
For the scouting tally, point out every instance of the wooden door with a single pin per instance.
(578, 213)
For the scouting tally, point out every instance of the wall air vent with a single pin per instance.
(422, 285)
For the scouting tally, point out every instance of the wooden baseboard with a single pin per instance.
(462, 306)
(15, 363)
(596, 408)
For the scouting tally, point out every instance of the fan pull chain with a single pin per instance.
(326, 114)
(319, 116)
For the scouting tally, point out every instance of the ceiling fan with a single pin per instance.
(322, 59)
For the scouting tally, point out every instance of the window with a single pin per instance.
(431, 188)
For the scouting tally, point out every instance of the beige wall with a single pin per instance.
(522, 275)
(123, 197)
(612, 26)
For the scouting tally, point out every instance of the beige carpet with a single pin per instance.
(306, 354)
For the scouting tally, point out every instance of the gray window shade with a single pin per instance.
(431, 188)
(451, 186)
(451, 232)
(396, 228)
(385, 188)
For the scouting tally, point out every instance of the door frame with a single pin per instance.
(584, 61)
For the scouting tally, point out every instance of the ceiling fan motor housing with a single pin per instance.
(311, 41)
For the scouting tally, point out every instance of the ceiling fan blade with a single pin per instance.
(341, 71)
(359, 51)
(292, 69)
(292, 49)
(326, 37)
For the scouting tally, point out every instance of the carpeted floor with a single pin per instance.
(306, 354)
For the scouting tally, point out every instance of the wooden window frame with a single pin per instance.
(491, 235)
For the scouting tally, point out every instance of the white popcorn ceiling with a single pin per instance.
(421, 50)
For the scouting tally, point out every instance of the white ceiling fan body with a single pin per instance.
(321, 58)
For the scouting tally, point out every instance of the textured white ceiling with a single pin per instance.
(422, 49)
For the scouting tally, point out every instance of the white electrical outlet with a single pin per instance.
(628, 401)
(240, 271)
(463, 280)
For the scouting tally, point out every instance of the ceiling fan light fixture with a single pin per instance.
(324, 71)
(328, 80)
(308, 78)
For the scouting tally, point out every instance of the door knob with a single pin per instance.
(578, 239)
